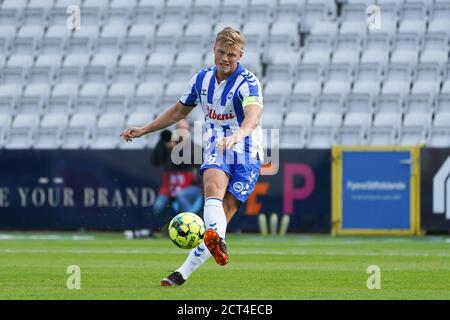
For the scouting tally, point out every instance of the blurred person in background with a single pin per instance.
(180, 189)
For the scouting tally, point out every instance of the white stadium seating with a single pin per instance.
(326, 77)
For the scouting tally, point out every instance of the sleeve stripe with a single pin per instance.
(192, 97)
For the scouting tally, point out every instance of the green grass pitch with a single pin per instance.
(34, 266)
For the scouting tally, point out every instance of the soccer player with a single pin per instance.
(231, 100)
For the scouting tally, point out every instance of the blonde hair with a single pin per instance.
(231, 37)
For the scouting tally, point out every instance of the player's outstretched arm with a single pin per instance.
(168, 118)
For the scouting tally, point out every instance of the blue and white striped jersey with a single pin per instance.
(223, 107)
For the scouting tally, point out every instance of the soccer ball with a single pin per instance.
(186, 230)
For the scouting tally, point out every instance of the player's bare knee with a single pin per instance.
(214, 189)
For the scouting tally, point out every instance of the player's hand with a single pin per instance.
(228, 142)
(131, 133)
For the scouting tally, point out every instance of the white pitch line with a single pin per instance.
(237, 252)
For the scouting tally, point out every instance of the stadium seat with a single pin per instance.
(437, 26)
(15, 73)
(317, 49)
(275, 95)
(111, 38)
(33, 99)
(232, 11)
(260, 11)
(416, 27)
(49, 133)
(272, 120)
(385, 129)
(9, 93)
(307, 87)
(21, 133)
(338, 78)
(49, 60)
(10, 17)
(166, 37)
(252, 62)
(440, 131)
(145, 142)
(129, 68)
(314, 11)
(118, 98)
(55, 39)
(83, 40)
(100, 68)
(106, 133)
(415, 128)
(256, 34)
(325, 28)
(27, 40)
(355, 10)
(293, 137)
(302, 102)
(347, 49)
(90, 98)
(5, 124)
(148, 95)
(139, 39)
(77, 59)
(36, 13)
(390, 103)
(175, 11)
(65, 3)
(419, 103)
(354, 128)
(42, 73)
(157, 67)
(197, 37)
(186, 65)
(62, 98)
(440, 10)
(14, 4)
(360, 104)
(321, 137)
(93, 12)
(147, 12)
(172, 94)
(356, 28)
(283, 36)
(78, 133)
(414, 10)
(288, 10)
(435, 49)
(119, 12)
(203, 10)
(283, 66)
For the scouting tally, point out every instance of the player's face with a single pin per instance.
(226, 58)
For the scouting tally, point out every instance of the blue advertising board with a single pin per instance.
(376, 188)
(116, 190)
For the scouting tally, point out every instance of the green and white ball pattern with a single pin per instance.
(186, 230)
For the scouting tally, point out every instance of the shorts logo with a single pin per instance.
(238, 186)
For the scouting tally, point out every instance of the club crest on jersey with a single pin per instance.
(238, 186)
(230, 95)
(203, 92)
(212, 114)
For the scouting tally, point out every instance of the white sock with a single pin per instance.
(195, 259)
(214, 217)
